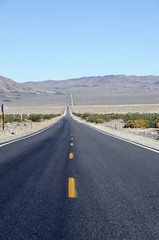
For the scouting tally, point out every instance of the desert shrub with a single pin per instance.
(141, 120)
(143, 123)
(12, 118)
(130, 123)
(85, 115)
(40, 117)
(9, 118)
(157, 125)
(25, 117)
(17, 118)
(154, 122)
(91, 119)
(35, 117)
(49, 116)
(137, 123)
(77, 114)
(99, 120)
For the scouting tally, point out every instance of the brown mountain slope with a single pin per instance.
(108, 82)
(8, 86)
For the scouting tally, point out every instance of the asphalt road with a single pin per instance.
(73, 182)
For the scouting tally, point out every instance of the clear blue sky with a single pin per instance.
(61, 39)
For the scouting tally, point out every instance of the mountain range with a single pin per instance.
(10, 87)
(107, 83)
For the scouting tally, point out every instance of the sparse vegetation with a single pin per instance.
(49, 116)
(137, 124)
(9, 118)
(99, 120)
(41, 117)
(35, 117)
(132, 120)
(157, 125)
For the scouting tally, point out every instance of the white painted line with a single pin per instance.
(72, 102)
(31, 135)
(129, 141)
(123, 139)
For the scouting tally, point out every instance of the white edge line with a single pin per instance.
(31, 135)
(123, 139)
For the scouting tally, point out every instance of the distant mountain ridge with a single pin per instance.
(114, 83)
(9, 87)
(108, 82)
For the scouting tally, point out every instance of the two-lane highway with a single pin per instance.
(72, 182)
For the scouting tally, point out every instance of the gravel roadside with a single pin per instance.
(16, 130)
(146, 137)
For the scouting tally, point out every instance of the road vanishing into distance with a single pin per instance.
(73, 182)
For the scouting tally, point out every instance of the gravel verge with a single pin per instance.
(146, 137)
(17, 130)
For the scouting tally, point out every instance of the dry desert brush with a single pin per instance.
(9, 118)
(132, 120)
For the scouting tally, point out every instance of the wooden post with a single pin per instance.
(2, 109)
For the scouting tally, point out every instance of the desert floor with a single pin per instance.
(35, 109)
(105, 109)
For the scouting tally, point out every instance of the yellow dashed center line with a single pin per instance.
(71, 188)
(71, 181)
(71, 156)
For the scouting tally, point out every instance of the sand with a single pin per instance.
(106, 109)
(35, 109)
